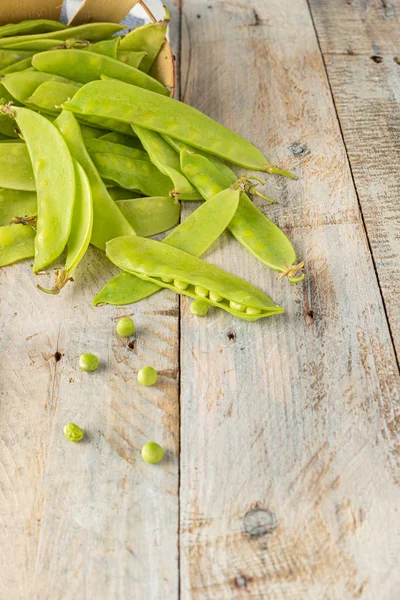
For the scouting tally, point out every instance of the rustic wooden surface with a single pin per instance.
(283, 450)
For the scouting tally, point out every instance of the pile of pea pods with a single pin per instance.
(94, 150)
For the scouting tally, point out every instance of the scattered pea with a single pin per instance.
(199, 308)
(147, 376)
(237, 306)
(73, 432)
(201, 291)
(125, 327)
(152, 453)
(215, 297)
(88, 362)
(181, 285)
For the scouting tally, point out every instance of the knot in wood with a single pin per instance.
(259, 521)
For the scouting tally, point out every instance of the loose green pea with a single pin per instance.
(152, 453)
(250, 310)
(147, 376)
(199, 308)
(73, 432)
(125, 327)
(215, 297)
(181, 285)
(201, 291)
(88, 362)
(237, 306)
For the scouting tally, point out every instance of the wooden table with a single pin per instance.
(282, 474)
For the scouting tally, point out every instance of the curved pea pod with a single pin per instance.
(194, 235)
(33, 46)
(133, 59)
(81, 230)
(132, 104)
(108, 221)
(49, 96)
(16, 203)
(132, 174)
(16, 67)
(91, 31)
(9, 57)
(22, 85)
(33, 27)
(16, 170)
(16, 243)
(55, 184)
(100, 146)
(158, 263)
(150, 38)
(83, 66)
(249, 226)
(166, 160)
(106, 47)
(150, 216)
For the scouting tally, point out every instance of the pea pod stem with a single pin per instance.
(291, 272)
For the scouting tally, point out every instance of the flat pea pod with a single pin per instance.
(155, 262)
(108, 221)
(133, 59)
(16, 67)
(22, 85)
(91, 31)
(16, 170)
(120, 138)
(83, 66)
(34, 26)
(166, 160)
(150, 216)
(49, 95)
(81, 230)
(132, 174)
(34, 46)
(99, 146)
(118, 193)
(132, 104)
(106, 47)
(55, 184)
(149, 38)
(16, 203)
(249, 226)
(16, 243)
(9, 57)
(194, 235)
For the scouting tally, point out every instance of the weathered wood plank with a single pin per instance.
(290, 446)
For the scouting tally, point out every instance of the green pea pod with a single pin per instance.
(186, 274)
(108, 221)
(16, 67)
(132, 174)
(22, 85)
(166, 160)
(150, 216)
(91, 31)
(16, 170)
(16, 243)
(118, 193)
(90, 132)
(250, 226)
(34, 26)
(99, 146)
(148, 38)
(120, 138)
(81, 231)
(106, 47)
(9, 57)
(49, 96)
(34, 46)
(55, 183)
(83, 67)
(133, 59)
(16, 203)
(194, 235)
(7, 125)
(131, 104)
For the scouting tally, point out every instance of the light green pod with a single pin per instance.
(149, 38)
(106, 47)
(16, 243)
(16, 203)
(16, 170)
(33, 27)
(118, 193)
(9, 57)
(16, 67)
(132, 174)
(99, 146)
(150, 216)
(89, 132)
(83, 66)
(133, 59)
(91, 31)
(33, 46)
(151, 260)
(55, 184)
(7, 125)
(22, 85)
(120, 138)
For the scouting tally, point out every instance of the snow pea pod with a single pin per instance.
(194, 235)
(16, 243)
(249, 226)
(150, 216)
(90, 31)
(9, 57)
(16, 67)
(7, 125)
(118, 193)
(15, 203)
(22, 85)
(99, 146)
(81, 231)
(186, 274)
(149, 38)
(108, 221)
(134, 59)
(106, 47)
(34, 46)
(132, 174)
(120, 138)
(166, 160)
(55, 183)
(132, 104)
(34, 26)
(16, 170)
(83, 66)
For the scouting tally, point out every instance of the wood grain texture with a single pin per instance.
(290, 446)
